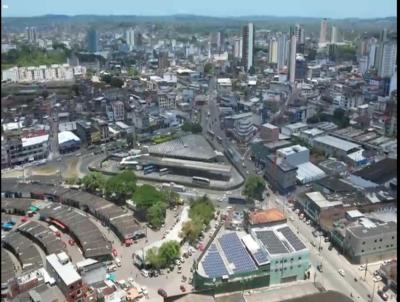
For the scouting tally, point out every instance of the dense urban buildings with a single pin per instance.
(192, 158)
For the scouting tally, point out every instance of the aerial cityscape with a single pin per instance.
(214, 151)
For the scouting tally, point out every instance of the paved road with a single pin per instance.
(331, 260)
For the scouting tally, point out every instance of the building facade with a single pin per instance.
(248, 46)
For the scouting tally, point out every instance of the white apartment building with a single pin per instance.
(43, 73)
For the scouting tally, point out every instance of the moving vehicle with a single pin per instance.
(201, 181)
(162, 293)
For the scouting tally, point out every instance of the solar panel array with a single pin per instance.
(292, 238)
(213, 264)
(271, 242)
(236, 253)
(260, 256)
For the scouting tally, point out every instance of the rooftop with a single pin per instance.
(379, 172)
(187, 147)
(335, 142)
(66, 136)
(321, 201)
(265, 216)
(361, 231)
(31, 141)
(66, 271)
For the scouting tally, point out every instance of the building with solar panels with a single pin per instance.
(288, 255)
(240, 261)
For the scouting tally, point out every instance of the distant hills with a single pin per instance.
(195, 21)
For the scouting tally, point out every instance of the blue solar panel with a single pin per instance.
(236, 253)
(260, 256)
(213, 264)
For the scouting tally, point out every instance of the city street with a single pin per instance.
(331, 261)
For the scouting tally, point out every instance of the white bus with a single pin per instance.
(163, 171)
(173, 187)
(200, 181)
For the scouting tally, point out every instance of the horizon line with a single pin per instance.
(189, 14)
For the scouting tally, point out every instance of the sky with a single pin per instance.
(336, 9)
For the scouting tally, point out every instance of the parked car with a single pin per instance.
(162, 293)
(341, 272)
(118, 261)
(330, 247)
(183, 289)
(377, 279)
(144, 273)
(362, 267)
(71, 242)
(383, 295)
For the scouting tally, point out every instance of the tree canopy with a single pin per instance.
(121, 187)
(202, 210)
(164, 256)
(254, 187)
(156, 214)
(94, 181)
(146, 196)
(192, 127)
(191, 230)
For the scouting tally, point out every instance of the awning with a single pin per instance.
(59, 224)
(34, 208)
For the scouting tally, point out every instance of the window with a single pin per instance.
(300, 258)
(291, 268)
(375, 240)
(392, 237)
(285, 260)
(276, 270)
(299, 265)
(363, 243)
(362, 251)
(291, 259)
(380, 240)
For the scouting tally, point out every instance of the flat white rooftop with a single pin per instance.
(67, 272)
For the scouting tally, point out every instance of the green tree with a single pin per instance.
(116, 82)
(94, 181)
(168, 252)
(196, 128)
(156, 214)
(191, 230)
(130, 140)
(254, 187)
(106, 78)
(171, 197)
(121, 187)
(208, 68)
(202, 210)
(146, 196)
(153, 258)
(187, 127)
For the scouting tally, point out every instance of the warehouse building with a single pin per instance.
(68, 142)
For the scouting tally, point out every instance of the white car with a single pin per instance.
(144, 273)
(308, 222)
(377, 279)
(362, 267)
(341, 272)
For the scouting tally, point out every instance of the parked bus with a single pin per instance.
(163, 171)
(148, 169)
(200, 181)
(237, 200)
(173, 187)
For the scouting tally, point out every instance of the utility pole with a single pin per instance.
(365, 273)
(373, 292)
